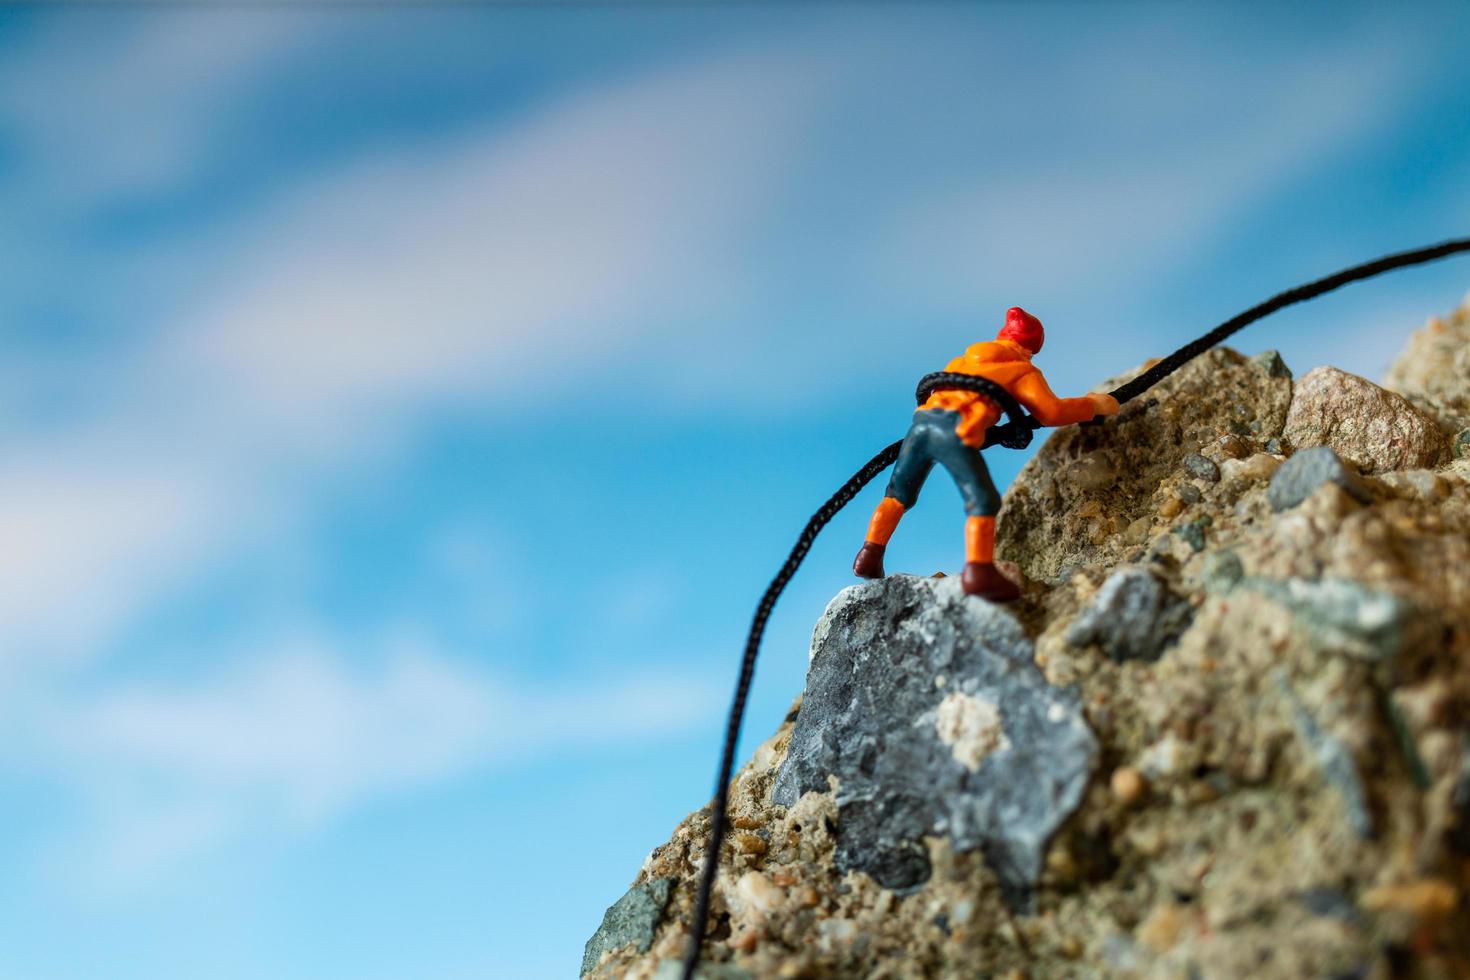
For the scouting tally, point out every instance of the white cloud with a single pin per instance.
(448, 273)
(401, 285)
(84, 540)
(288, 743)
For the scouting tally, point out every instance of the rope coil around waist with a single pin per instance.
(1014, 434)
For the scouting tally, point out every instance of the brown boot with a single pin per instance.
(985, 580)
(869, 561)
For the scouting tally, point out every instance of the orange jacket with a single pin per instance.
(1009, 365)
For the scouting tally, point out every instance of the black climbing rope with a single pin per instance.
(819, 520)
(1014, 434)
(1300, 294)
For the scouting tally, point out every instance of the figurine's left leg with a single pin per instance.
(982, 503)
(915, 460)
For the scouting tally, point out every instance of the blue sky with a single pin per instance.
(403, 408)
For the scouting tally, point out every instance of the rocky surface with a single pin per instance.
(630, 922)
(1224, 733)
(1432, 369)
(929, 712)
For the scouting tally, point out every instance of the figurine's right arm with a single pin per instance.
(1033, 392)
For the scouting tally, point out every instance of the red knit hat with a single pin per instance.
(1023, 328)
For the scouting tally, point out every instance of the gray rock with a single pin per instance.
(1134, 616)
(1296, 479)
(1201, 468)
(1462, 444)
(1193, 532)
(1270, 361)
(1330, 903)
(1340, 614)
(631, 919)
(1332, 758)
(926, 706)
(1221, 572)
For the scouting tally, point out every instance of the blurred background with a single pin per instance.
(404, 405)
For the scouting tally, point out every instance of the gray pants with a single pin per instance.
(931, 440)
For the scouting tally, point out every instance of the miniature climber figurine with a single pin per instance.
(949, 429)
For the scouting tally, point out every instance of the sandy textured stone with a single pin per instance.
(1280, 791)
(1368, 426)
(1127, 466)
(1433, 369)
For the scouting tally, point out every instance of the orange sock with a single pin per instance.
(980, 540)
(885, 520)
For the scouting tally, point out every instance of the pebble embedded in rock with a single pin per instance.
(1134, 616)
(1221, 571)
(1201, 468)
(871, 717)
(1193, 532)
(1333, 759)
(1270, 361)
(1128, 785)
(1340, 614)
(1257, 466)
(1296, 479)
(758, 894)
(631, 919)
(1234, 446)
